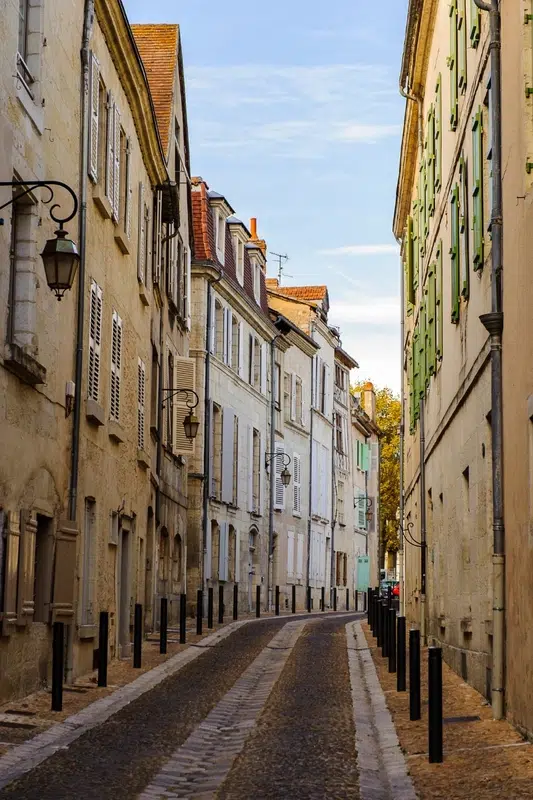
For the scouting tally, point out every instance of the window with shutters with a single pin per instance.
(143, 233)
(431, 296)
(297, 484)
(220, 330)
(487, 130)
(141, 395)
(475, 24)
(235, 342)
(409, 265)
(464, 230)
(95, 341)
(344, 569)
(113, 156)
(277, 465)
(453, 67)
(290, 553)
(168, 399)
(256, 471)
(257, 364)
(299, 556)
(438, 134)
(477, 190)
(455, 254)
(430, 149)
(235, 461)
(88, 577)
(29, 47)
(154, 391)
(299, 401)
(256, 278)
(238, 252)
(340, 503)
(216, 452)
(116, 366)
(220, 234)
(339, 433)
(461, 45)
(287, 395)
(184, 378)
(439, 312)
(277, 386)
(338, 568)
(361, 510)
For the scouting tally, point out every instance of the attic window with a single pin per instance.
(220, 234)
(238, 248)
(256, 278)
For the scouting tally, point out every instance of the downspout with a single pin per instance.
(423, 556)
(332, 582)
(272, 484)
(310, 474)
(401, 551)
(493, 322)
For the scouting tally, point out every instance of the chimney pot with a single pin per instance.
(253, 227)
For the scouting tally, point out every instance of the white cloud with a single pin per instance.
(366, 311)
(363, 250)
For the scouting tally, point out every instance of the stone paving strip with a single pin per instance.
(199, 766)
(382, 769)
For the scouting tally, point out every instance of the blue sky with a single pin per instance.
(295, 116)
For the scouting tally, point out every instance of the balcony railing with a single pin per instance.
(24, 75)
(340, 395)
(342, 461)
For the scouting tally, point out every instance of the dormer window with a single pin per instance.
(238, 249)
(256, 278)
(220, 234)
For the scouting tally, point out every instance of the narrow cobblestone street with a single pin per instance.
(268, 712)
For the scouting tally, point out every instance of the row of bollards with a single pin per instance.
(389, 629)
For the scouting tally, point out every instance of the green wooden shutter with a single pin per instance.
(409, 289)
(416, 247)
(439, 304)
(431, 320)
(475, 24)
(431, 161)
(461, 44)
(422, 211)
(464, 231)
(422, 349)
(410, 375)
(438, 134)
(452, 64)
(454, 252)
(477, 188)
(416, 375)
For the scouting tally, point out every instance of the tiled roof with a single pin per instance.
(158, 47)
(304, 292)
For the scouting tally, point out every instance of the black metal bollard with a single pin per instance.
(385, 629)
(183, 618)
(414, 675)
(389, 596)
(323, 598)
(347, 599)
(257, 601)
(58, 665)
(308, 599)
(335, 599)
(199, 611)
(221, 604)
(210, 607)
(435, 704)
(163, 625)
(400, 656)
(392, 640)
(236, 601)
(293, 598)
(137, 636)
(277, 601)
(378, 622)
(103, 640)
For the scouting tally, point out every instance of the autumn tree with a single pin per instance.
(388, 417)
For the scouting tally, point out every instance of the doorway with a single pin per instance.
(124, 590)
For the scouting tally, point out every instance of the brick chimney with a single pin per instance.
(369, 400)
(254, 238)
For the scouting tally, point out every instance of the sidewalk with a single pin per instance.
(483, 759)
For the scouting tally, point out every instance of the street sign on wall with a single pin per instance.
(363, 573)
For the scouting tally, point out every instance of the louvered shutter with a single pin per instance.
(313, 381)
(276, 469)
(213, 326)
(290, 554)
(128, 191)
(297, 481)
(228, 438)
(187, 298)
(116, 164)
(300, 556)
(157, 236)
(223, 552)
(241, 350)
(374, 464)
(315, 499)
(237, 556)
(185, 378)
(261, 473)
(293, 396)
(110, 149)
(95, 341)
(95, 110)
(141, 249)
(116, 366)
(11, 532)
(251, 364)
(251, 508)
(263, 368)
(26, 568)
(141, 394)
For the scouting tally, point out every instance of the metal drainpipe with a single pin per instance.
(310, 472)
(82, 233)
(423, 559)
(333, 505)
(401, 550)
(272, 473)
(493, 322)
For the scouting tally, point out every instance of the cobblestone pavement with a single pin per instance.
(303, 747)
(119, 758)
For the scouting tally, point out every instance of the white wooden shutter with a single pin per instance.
(375, 457)
(237, 556)
(116, 366)
(187, 300)
(185, 378)
(141, 247)
(361, 509)
(325, 477)
(95, 110)
(211, 452)
(223, 552)
(293, 396)
(95, 341)
(208, 555)
(158, 235)
(264, 351)
(251, 508)
(275, 472)
(326, 391)
(321, 559)
(300, 556)
(315, 489)
(228, 434)
(241, 350)
(128, 191)
(252, 359)
(213, 326)
(261, 473)
(297, 481)
(116, 164)
(314, 387)
(290, 554)
(110, 149)
(141, 394)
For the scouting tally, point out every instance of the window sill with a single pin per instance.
(24, 366)
(143, 459)
(116, 431)
(101, 202)
(87, 631)
(123, 241)
(143, 294)
(94, 412)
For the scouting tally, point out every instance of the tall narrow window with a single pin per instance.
(299, 401)
(438, 134)
(409, 275)
(461, 44)
(287, 395)
(439, 304)
(116, 366)
(216, 453)
(235, 464)
(452, 64)
(455, 253)
(88, 615)
(169, 400)
(256, 471)
(477, 189)
(141, 390)
(95, 341)
(235, 343)
(464, 231)
(297, 484)
(431, 161)
(475, 24)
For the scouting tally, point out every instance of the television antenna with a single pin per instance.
(280, 259)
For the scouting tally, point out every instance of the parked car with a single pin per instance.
(396, 589)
